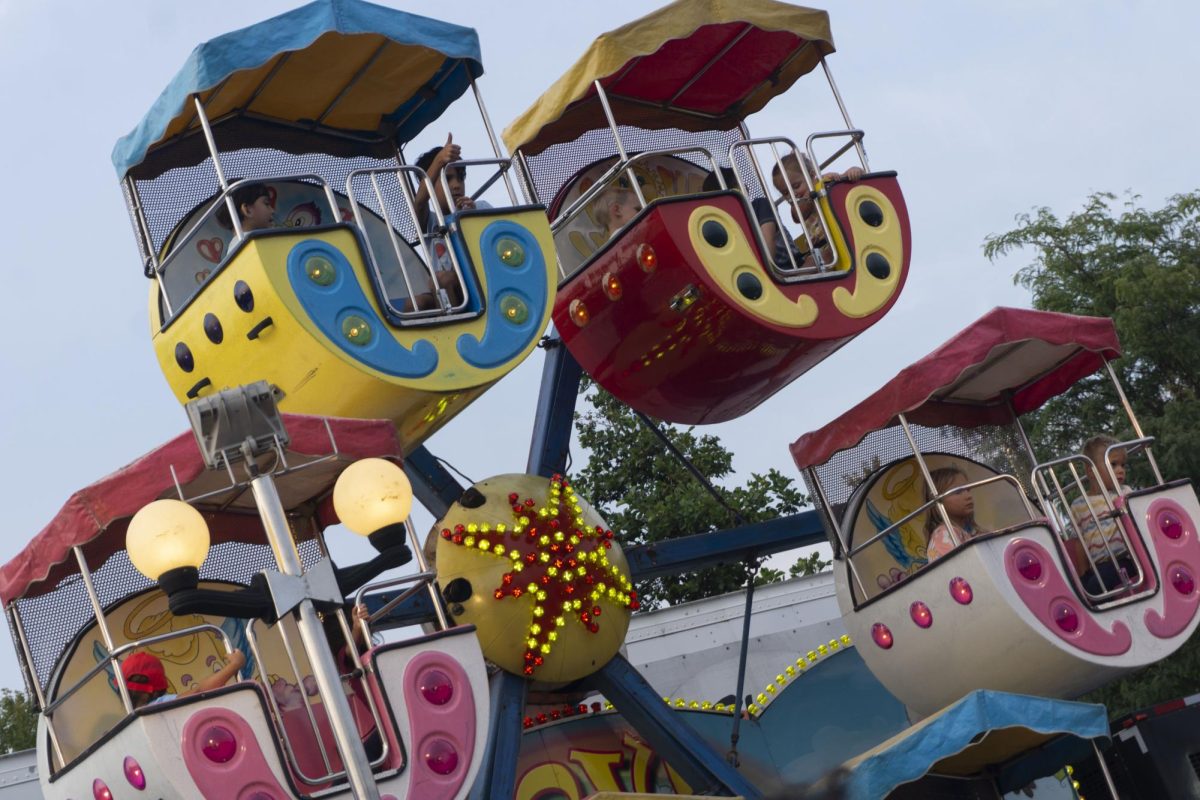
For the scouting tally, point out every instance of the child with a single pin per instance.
(1094, 519)
(254, 207)
(960, 508)
(808, 215)
(778, 240)
(147, 682)
(433, 161)
(614, 208)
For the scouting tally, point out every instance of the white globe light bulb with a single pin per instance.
(372, 494)
(166, 535)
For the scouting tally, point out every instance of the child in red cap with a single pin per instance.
(147, 682)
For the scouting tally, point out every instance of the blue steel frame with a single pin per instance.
(699, 764)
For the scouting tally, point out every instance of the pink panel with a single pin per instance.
(243, 774)
(304, 744)
(1180, 561)
(434, 725)
(1049, 598)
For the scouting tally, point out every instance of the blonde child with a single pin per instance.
(809, 216)
(960, 508)
(614, 208)
(1098, 531)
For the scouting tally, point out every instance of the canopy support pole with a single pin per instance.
(1137, 429)
(1109, 783)
(612, 124)
(101, 622)
(491, 133)
(836, 526)
(862, 153)
(14, 617)
(933, 490)
(216, 157)
(1033, 459)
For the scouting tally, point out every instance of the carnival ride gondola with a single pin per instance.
(357, 304)
(686, 313)
(1007, 609)
(79, 607)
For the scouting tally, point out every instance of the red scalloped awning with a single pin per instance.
(96, 517)
(1028, 356)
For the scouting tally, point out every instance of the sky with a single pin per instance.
(986, 111)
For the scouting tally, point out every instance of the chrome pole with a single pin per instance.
(837, 530)
(612, 124)
(1033, 459)
(312, 636)
(101, 623)
(487, 124)
(1108, 778)
(423, 566)
(14, 616)
(837, 96)
(1137, 429)
(216, 157)
(928, 479)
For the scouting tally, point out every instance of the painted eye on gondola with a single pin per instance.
(212, 329)
(183, 357)
(243, 296)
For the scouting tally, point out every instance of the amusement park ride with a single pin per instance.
(316, 357)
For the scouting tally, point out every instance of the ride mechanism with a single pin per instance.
(316, 357)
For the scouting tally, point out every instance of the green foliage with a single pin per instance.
(18, 721)
(647, 496)
(1142, 268)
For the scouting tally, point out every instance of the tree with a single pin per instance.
(648, 496)
(18, 721)
(1141, 268)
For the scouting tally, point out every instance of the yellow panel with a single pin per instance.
(736, 258)
(870, 293)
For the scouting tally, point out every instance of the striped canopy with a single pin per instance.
(344, 77)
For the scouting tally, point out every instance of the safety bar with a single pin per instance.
(624, 165)
(1029, 510)
(1111, 514)
(118, 651)
(420, 580)
(239, 234)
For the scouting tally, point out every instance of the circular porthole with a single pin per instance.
(870, 213)
(714, 233)
(750, 286)
(878, 266)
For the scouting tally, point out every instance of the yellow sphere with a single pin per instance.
(166, 535)
(512, 591)
(371, 494)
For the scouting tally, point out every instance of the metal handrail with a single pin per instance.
(420, 580)
(428, 259)
(180, 241)
(937, 500)
(117, 651)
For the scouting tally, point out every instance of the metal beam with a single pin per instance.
(741, 544)
(433, 486)
(667, 733)
(555, 416)
(498, 773)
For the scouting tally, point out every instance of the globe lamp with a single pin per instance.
(167, 541)
(373, 497)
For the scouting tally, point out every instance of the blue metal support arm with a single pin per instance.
(555, 418)
(433, 486)
(671, 737)
(498, 773)
(741, 544)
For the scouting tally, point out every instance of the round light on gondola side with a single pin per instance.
(646, 257)
(166, 535)
(134, 773)
(882, 635)
(440, 756)
(320, 270)
(612, 286)
(514, 309)
(921, 615)
(218, 744)
(436, 687)
(372, 494)
(1029, 565)
(1170, 524)
(961, 591)
(579, 313)
(1181, 578)
(510, 251)
(1065, 617)
(356, 330)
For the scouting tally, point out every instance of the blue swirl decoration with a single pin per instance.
(510, 288)
(893, 542)
(336, 304)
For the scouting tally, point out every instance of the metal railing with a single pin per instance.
(622, 165)
(1062, 495)
(110, 661)
(224, 201)
(936, 502)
